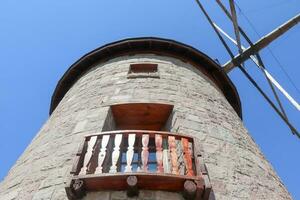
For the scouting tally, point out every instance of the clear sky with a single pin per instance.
(39, 40)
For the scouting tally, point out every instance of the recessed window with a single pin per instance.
(141, 116)
(141, 70)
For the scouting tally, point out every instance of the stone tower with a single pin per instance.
(143, 118)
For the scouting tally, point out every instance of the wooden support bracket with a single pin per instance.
(78, 188)
(190, 189)
(75, 189)
(132, 189)
(68, 189)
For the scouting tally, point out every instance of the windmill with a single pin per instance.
(252, 52)
(149, 118)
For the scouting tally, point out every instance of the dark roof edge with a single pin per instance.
(148, 45)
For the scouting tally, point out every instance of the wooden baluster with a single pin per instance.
(173, 154)
(88, 155)
(116, 153)
(187, 157)
(159, 153)
(166, 157)
(145, 152)
(130, 152)
(180, 158)
(102, 153)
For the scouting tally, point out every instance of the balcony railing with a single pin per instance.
(138, 159)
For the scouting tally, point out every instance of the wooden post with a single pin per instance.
(88, 155)
(79, 159)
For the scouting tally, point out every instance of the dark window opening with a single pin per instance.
(143, 70)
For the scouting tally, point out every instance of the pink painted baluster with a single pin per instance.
(187, 157)
(88, 155)
(116, 153)
(159, 153)
(130, 152)
(102, 154)
(145, 152)
(173, 154)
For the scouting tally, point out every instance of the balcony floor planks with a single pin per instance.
(149, 181)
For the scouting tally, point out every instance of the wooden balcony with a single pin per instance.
(138, 159)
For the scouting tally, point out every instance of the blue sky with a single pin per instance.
(39, 40)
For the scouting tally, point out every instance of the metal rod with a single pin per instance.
(261, 43)
(293, 129)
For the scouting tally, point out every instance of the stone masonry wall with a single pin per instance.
(235, 164)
